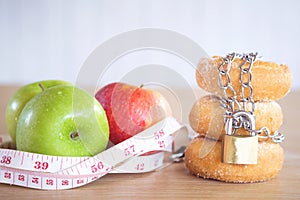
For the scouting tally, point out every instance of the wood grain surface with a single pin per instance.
(174, 181)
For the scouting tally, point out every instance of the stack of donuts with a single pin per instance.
(203, 156)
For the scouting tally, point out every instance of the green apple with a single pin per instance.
(19, 100)
(63, 121)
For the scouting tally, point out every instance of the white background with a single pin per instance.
(50, 39)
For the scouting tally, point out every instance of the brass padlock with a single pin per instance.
(240, 149)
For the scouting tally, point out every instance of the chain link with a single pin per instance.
(230, 101)
(264, 133)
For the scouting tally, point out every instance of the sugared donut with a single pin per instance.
(207, 117)
(270, 160)
(270, 81)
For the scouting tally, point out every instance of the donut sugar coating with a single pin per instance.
(203, 159)
(270, 81)
(207, 117)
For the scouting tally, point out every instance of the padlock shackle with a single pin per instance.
(247, 116)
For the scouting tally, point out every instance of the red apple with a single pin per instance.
(131, 109)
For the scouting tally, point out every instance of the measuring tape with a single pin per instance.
(57, 172)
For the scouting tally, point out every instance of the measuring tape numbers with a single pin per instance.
(57, 172)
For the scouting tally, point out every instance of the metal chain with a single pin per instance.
(277, 137)
(230, 102)
(246, 79)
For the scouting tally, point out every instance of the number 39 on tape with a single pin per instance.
(55, 172)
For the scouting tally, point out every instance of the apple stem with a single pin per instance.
(74, 135)
(41, 86)
(142, 85)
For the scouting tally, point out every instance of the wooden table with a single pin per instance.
(174, 181)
